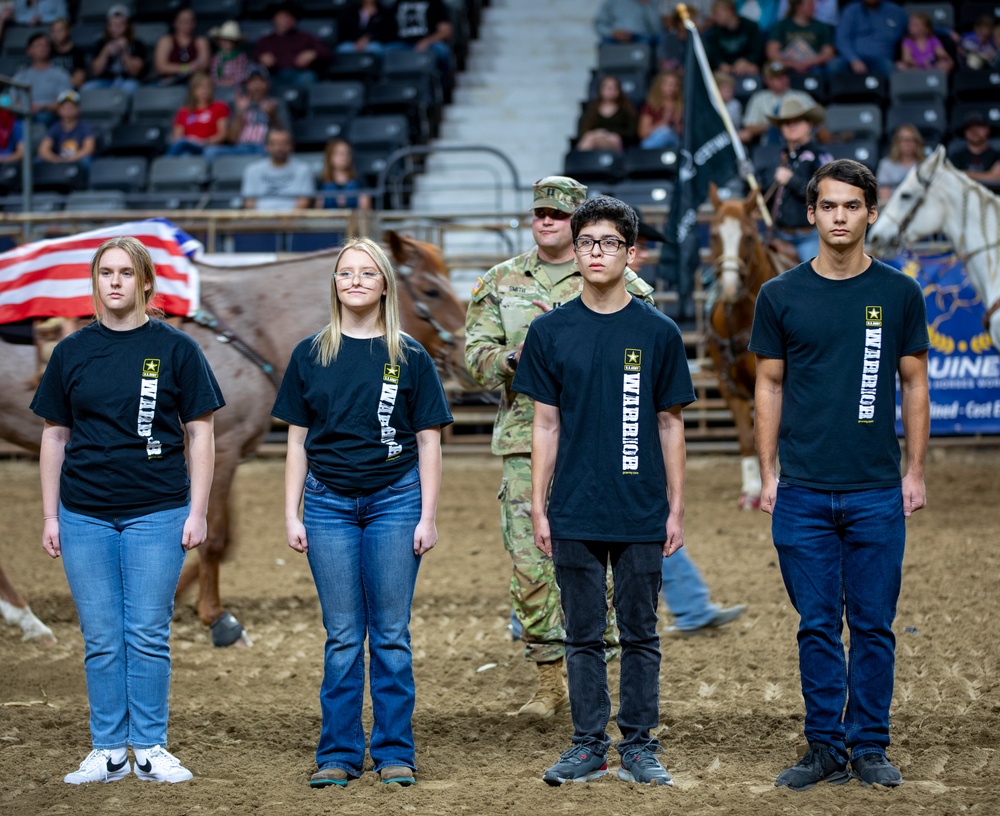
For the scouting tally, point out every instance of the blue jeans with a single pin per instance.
(581, 571)
(361, 556)
(128, 85)
(806, 243)
(662, 137)
(685, 592)
(843, 551)
(123, 575)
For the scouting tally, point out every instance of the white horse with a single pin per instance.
(936, 197)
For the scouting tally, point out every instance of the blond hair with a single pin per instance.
(327, 343)
(142, 266)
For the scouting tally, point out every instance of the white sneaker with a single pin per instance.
(99, 767)
(157, 764)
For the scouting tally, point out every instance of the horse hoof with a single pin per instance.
(226, 631)
(748, 502)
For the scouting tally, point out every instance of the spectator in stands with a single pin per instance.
(280, 182)
(866, 37)
(340, 185)
(424, 25)
(733, 44)
(727, 90)
(609, 122)
(293, 57)
(46, 80)
(628, 21)
(978, 48)
(827, 11)
(230, 65)
(66, 54)
(699, 10)
(11, 137)
(906, 150)
(364, 25)
(255, 113)
(768, 100)
(70, 139)
(661, 118)
(978, 158)
(32, 12)
(799, 41)
(921, 49)
(787, 176)
(119, 58)
(201, 127)
(183, 53)
(673, 40)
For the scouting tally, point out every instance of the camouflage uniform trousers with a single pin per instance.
(534, 592)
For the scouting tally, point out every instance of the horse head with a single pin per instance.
(905, 217)
(429, 308)
(734, 242)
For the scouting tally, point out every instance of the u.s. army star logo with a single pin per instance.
(873, 316)
(390, 373)
(633, 359)
(151, 368)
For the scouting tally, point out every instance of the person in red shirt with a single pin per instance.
(202, 124)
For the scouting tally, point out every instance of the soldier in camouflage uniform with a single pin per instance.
(503, 303)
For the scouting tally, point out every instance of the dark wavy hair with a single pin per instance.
(850, 172)
(606, 208)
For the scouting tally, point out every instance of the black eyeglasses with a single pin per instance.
(609, 246)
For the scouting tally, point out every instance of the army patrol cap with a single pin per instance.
(559, 193)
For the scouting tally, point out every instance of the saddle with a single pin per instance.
(783, 253)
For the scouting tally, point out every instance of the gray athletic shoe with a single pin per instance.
(721, 618)
(819, 764)
(875, 769)
(641, 765)
(579, 764)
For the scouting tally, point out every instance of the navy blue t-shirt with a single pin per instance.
(125, 395)
(361, 412)
(841, 341)
(609, 375)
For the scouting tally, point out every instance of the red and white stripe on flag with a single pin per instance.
(51, 278)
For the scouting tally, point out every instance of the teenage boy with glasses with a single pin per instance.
(609, 377)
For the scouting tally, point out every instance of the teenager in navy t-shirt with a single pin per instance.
(609, 378)
(365, 409)
(118, 398)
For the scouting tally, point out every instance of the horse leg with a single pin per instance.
(16, 612)
(226, 630)
(739, 407)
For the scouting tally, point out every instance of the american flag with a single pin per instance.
(51, 278)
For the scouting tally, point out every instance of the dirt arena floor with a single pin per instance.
(245, 720)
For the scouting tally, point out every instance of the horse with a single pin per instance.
(936, 197)
(259, 313)
(743, 264)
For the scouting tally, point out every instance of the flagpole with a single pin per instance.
(741, 156)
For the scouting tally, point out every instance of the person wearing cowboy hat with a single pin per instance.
(230, 66)
(977, 157)
(786, 177)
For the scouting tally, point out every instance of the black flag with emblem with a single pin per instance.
(706, 154)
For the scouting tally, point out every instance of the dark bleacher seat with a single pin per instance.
(918, 86)
(149, 32)
(815, 86)
(345, 97)
(635, 85)
(94, 10)
(10, 177)
(594, 166)
(313, 134)
(650, 164)
(227, 172)
(930, 119)
(385, 132)
(408, 63)
(409, 97)
(640, 194)
(325, 28)
(95, 200)
(15, 39)
(11, 64)
(747, 86)
(253, 30)
(158, 203)
(989, 112)
(61, 177)
(132, 139)
(941, 14)
(968, 13)
(862, 150)
(104, 106)
(353, 65)
(854, 121)
(211, 12)
(40, 203)
(158, 105)
(615, 57)
(127, 174)
(850, 88)
(369, 164)
(178, 174)
(972, 86)
(294, 98)
(222, 201)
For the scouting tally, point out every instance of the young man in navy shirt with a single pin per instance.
(609, 378)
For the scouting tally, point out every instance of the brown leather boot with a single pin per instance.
(552, 696)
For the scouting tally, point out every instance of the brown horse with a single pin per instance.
(264, 310)
(742, 265)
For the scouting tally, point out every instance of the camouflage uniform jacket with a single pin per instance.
(497, 322)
